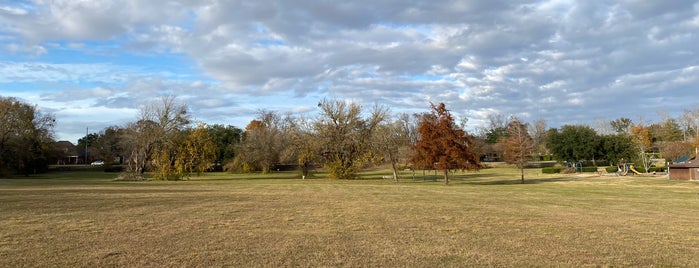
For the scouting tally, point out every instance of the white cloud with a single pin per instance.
(556, 59)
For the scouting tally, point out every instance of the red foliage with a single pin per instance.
(442, 145)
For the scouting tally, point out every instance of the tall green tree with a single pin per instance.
(226, 140)
(442, 145)
(616, 149)
(573, 143)
(26, 137)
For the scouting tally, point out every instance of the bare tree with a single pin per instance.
(518, 145)
(262, 144)
(391, 140)
(302, 146)
(538, 135)
(155, 135)
(344, 136)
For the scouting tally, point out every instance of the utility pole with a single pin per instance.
(87, 130)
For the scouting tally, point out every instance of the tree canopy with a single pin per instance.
(443, 146)
(26, 136)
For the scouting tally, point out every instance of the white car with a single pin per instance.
(97, 163)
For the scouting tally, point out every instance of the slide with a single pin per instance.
(634, 170)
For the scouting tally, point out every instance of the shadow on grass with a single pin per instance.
(515, 181)
(489, 179)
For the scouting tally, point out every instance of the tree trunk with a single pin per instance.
(446, 177)
(395, 171)
(522, 170)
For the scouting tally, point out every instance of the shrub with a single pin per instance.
(657, 169)
(551, 170)
(611, 169)
(589, 169)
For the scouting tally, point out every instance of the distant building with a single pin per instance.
(685, 171)
(67, 153)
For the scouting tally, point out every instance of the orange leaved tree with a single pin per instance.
(442, 145)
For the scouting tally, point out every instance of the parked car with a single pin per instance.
(98, 163)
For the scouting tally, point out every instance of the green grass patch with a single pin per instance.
(484, 218)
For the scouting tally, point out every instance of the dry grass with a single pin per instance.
(482, 219)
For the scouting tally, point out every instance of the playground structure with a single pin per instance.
(574, 165)
(624, 169)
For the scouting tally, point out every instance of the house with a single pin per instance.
(67, 153)
(685, 171)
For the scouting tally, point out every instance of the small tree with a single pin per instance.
(303, 146)
(389, 141)
(518, 145)
(442, 145)
(641, 137)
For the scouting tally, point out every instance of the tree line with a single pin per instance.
(343, 138)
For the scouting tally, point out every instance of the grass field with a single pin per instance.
(482, 219)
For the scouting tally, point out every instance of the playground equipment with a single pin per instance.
(575, 165)
(633, 170)
(625, 168)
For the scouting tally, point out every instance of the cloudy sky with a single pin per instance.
(93, 63)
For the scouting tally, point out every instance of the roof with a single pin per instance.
(690, 164)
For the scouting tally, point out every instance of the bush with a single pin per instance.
(657, 169)
(589, 169)
(611, 169)
(551, 170)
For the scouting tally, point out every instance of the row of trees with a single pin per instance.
(344, 137)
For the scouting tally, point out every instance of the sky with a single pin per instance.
(94, 63)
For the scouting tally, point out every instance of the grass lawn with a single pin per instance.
(481, 219)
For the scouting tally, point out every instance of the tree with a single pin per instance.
(155, 136)
(262, 143)
(302, 145)
(641, 138)
(343, 136)
(86, 145)
(226, 139)
(539, 138)
(25, 137)
(690, 124)
(673, 150)
(573, 143)
(518, 146)
(196, 154)
(443, 146)
(615, 148)
(390, 141)
(621, 125)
